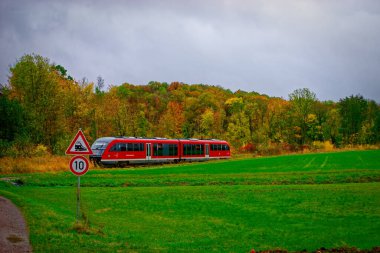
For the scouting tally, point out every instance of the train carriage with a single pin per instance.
(121, 151)
(194, 149)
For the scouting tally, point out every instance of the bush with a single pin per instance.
(41, 150)
(21, 147)
(4, 146)
(328, 146)
(249, 148)
(322, 146)
(59, 148)
(269, 149)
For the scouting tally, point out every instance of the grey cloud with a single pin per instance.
(272, 47)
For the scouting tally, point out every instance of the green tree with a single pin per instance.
(370, 130)
(353, 111)
(303, 102)
(12, 119)
(34, 84)
(61, 70)
(331, 126)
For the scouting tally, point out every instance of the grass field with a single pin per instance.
(290, 202)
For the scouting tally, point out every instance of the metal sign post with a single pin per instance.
(78, 199)
(79, 166)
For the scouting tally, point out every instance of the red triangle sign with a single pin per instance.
(79, 145)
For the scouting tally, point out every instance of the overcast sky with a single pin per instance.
(331, 47)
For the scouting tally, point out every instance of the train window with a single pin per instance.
(135, 147)
(113, 148)
(122, 147)
(198, 149)
(165, 149)
(160, 149)
(186, 149)
(118, 147)
(173, 149)
(139, 146)
(157, 149)
(193, 149)
(219, 147)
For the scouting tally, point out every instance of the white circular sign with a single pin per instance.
(79, 165)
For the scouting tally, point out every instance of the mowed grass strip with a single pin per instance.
(323, 168)
(202, 218)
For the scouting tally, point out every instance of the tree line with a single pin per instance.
(42, 107)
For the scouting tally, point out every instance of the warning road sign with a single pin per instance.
(79, 145)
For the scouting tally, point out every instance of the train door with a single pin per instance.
(148, 152)
(207, 150)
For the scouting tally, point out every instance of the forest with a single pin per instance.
(42, 107)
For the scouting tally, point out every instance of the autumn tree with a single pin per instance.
(238, 126)
(171, 122)
(278, 118)
(256, 109)
(207, 124)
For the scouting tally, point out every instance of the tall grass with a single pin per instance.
(10, 165)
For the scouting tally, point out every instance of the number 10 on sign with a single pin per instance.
(79, 165)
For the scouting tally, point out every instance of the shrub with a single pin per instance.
(21, 147)
(61, 145)
(328, 146)
(249, 148)
(322, 146)
(41, 150)
(4, 146)
(269, 148)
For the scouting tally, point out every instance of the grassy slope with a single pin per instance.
(232, 209)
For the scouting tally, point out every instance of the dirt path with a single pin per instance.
(14, 235)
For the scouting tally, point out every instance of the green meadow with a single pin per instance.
(292, 202)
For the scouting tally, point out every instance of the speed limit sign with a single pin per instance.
(79, 165)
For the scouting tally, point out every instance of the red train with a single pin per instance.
(122, 151)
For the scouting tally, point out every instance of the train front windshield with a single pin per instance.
(99, 146)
